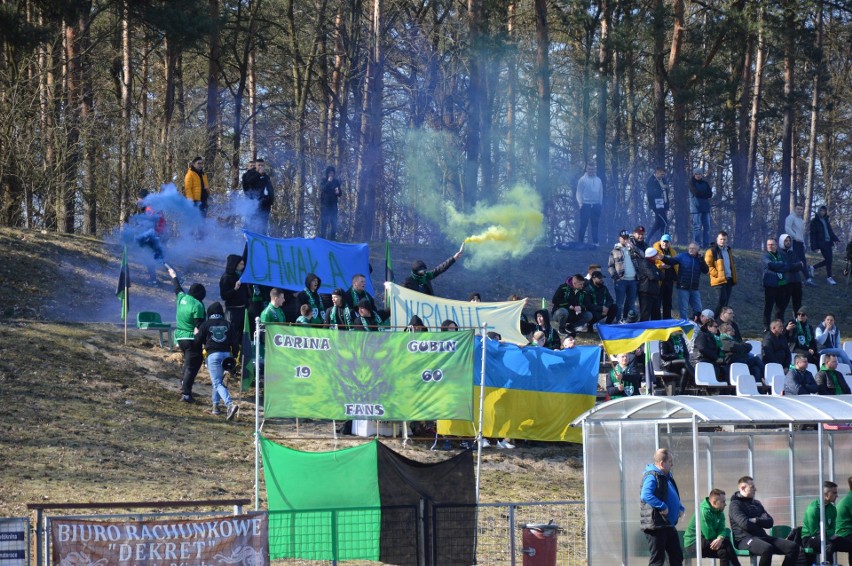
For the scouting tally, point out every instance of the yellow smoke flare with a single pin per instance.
(510, 228)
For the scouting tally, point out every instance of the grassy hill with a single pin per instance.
(87, 418)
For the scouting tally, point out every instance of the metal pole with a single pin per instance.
(622, 496)
(698, 543)
(512, 534)
(479, 435)
(39, 536)
(791, 445)
(586, 491)
(820, 457)
(257, 413)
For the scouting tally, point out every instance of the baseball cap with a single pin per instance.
(624, 234)
(666, 238)
(598, 274)
(639, 229)
(339, 292)
(650, 252)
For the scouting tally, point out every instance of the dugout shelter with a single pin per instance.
(789, 445)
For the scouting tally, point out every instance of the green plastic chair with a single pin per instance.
(149, 320)
(739, 552)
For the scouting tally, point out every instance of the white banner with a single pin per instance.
(504, 318)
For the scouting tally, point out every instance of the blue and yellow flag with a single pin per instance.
(530, 392)
(621, 338)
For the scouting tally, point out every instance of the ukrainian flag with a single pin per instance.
(530, 392)
(621, 338)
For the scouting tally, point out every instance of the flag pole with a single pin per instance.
(126, 295)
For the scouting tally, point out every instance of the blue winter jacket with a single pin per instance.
(691, 268)
(670, 502)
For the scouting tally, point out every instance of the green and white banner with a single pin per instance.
(320, 373)
(503, 318)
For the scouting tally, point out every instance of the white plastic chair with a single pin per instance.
(705, 376)
(847, 347)
(746, 385)
(843, 369)
(773, 375)
(756, 347)
(736, 370)
(778, 384)
(813, 369)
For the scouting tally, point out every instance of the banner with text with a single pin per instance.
(503, 318)
(284, 263)
(390, 376)
(236, 539)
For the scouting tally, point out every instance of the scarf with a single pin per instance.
(803, 334)
(317, 308)
(347, 316)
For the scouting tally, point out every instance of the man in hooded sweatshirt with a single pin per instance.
(714, 541)
(749, 521)
(215, 336)
(235, 294)
(189, 316)
(420, 279)
(659, 510)
(310, 296)
(794, 271)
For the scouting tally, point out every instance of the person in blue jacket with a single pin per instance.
(659, 510)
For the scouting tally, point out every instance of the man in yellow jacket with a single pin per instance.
(195, 185)
(723, 273)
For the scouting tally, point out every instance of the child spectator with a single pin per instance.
(215, 336)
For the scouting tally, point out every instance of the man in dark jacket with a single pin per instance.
(235, 294)
(648, 277)
(823, 240)
(776, 286)
(691, 266)
(659, 510)
(774, 346)
(571, 306)
(215, 335)
(801, 337)
(794, 271)
(708, 348)
(257, 186)
(799, 380)
(748, 523)
(699, 207)
(601, 303)
(420, 279)
(829, 381)
(656, 189)
(329, 195)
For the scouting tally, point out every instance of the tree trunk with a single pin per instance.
(370, 169)
(604, 69)
(213, 72)
(170, 79)
(815, 110)
(743, 192)
(757, 93)
(511, 96)
(660, 90)
(252, 94)
(542, 77)
(680, 150)
(124, 200)
(472, 144)
(90, 188)
(789, 118)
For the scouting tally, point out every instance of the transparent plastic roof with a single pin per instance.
(764, 409)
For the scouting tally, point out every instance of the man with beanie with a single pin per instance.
(338, 316)
(258, 188)
(420, 279)
(648, 277)
(189, 316)
(699, 207)
(590, 199)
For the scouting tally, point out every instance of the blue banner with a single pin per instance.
(284, 263)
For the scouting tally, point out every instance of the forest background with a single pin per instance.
(421, 103)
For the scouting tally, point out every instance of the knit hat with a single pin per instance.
(418, 265)
(707, 313)
(699, 171)
(197, 291)
(339, 292)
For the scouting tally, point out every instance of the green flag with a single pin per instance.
(396, 376)
(388, 263)
(121, 290)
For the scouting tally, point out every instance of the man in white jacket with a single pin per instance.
(590, 199)
(794, 226)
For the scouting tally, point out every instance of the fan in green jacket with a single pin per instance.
(844, 514)
(714, 539)
(811, 524)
